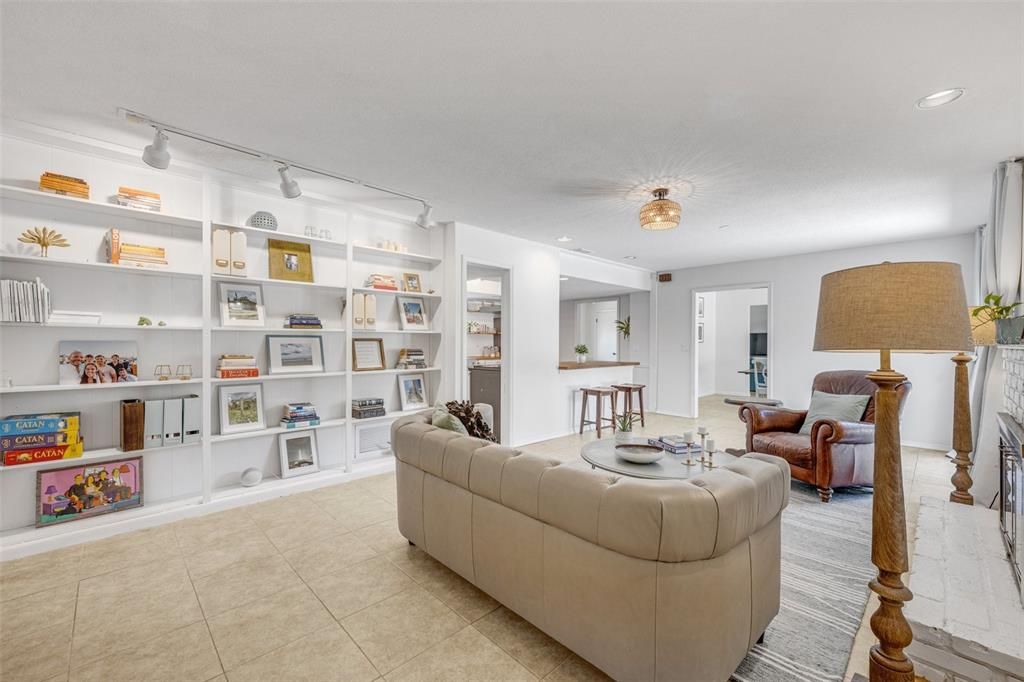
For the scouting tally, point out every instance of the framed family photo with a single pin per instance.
(412, 313)
(97, 362)
(288, 354)
(241, 408)
(241, 305)
(413, 391)
(411, 281)
(86, 490)
(367, 354)
(298, 453)
(290, 261)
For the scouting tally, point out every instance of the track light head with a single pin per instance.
(289, 187)
(423, 219)
(156, 154)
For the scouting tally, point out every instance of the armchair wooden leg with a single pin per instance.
(825, 494)
(760, 640)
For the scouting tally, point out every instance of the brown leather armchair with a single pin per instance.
(836, 454)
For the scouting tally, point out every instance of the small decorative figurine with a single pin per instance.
(161, 323)
(183, 372)
(144, 321)
(45, 238)
(162, 372)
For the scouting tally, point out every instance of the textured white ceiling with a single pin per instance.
(793, 124)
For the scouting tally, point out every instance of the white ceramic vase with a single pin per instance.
(623, 436)
(581, 358)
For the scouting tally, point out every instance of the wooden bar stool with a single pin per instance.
(599, 393)
(627, 402)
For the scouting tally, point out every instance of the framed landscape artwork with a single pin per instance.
(241, 305)
(412, 313)
(413, 391)
(241, 408)
(97, 362)
(287, 354)
(298, 453)
(88, 489)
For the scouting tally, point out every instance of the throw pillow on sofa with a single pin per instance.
(844, 408)
(443, 419)
(471, 418)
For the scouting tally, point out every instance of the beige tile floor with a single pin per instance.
(315, 586)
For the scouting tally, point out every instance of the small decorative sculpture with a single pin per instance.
(162, 372)
(183, 372)
(144, 321)
(161, 323)
(45, 238)
(264, 220)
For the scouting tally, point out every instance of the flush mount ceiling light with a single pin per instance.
(940, 98)
(289, 187)
(564, 238)
(660, 214)
(156, 154)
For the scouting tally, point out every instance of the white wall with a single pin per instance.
(732, 338)
(795, 281)
(566, 330)
(707, 351)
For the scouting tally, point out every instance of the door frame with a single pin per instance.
(695, 355)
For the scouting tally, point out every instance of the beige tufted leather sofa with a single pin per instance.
(647, 580)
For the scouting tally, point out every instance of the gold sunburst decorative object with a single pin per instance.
(44, 237)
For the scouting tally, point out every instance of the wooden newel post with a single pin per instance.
(962, 441)
(889, 535)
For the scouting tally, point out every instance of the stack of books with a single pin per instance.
(140, 255)
(137, 198)
(411, 358)
(378, 281)
(31, 438)
(24, 301)
(299, 416)
(674, 444)
(238, 366)
(365, 408)
(63, 184)
(303, 321)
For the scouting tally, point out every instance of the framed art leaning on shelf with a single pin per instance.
(413, 391)
(241, 408)
(287, 354)
(241, 305)
(367, 355)
(412, 313)
(298, 453)
(85, 490)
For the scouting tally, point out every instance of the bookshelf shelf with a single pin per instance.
(278, 282)
(387, 292)
(430, 332)
(89, 265)
(274, 430)
(47, 388)
(126, 327)
(279, 377)
(279, 330)
(395, 371)
(287, 236)
(373, 254)
(93, 455)
(10, 192)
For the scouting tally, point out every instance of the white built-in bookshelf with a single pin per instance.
(185, 480)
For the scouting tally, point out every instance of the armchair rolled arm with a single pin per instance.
(761, 418)
(835, 431)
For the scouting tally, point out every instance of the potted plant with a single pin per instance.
(581, 352)
(624, 428)
(623, 327)
(1009, 330)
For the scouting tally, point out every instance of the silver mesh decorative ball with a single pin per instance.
(263, 220)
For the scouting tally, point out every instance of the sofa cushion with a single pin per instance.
(795, 448)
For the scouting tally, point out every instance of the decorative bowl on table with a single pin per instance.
(639, 453)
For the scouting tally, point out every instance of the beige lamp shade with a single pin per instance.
(983, 329)
(900, 307)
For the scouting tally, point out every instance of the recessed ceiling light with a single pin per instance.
(629, 257)
(563, 278)
(564, 238)
(940, 98)
(722, 227)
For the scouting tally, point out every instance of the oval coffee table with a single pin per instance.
(600, 454)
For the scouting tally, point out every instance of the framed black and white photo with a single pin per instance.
(241, 305)
(367, 354)
(241, 408)
(291, 353)
(700, 332)
(700, 306)
(298, 453)
(413, 391)
(412, 313)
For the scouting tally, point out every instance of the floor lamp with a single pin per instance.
(891, 308)
(982, 334)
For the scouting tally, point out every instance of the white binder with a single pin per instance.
(239, 268)
(153, 436)
(371, 311)
(191, 419)
(358, 311)
(221, 252)
(172, 421)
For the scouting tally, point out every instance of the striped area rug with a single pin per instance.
(826, 566)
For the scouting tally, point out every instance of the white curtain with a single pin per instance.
(1000, 270)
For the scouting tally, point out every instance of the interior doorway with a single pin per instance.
(596, 321)
(487, 329)
(732, 343)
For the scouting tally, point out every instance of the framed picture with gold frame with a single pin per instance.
(411, 280)
(367, 355)
(290, 261)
